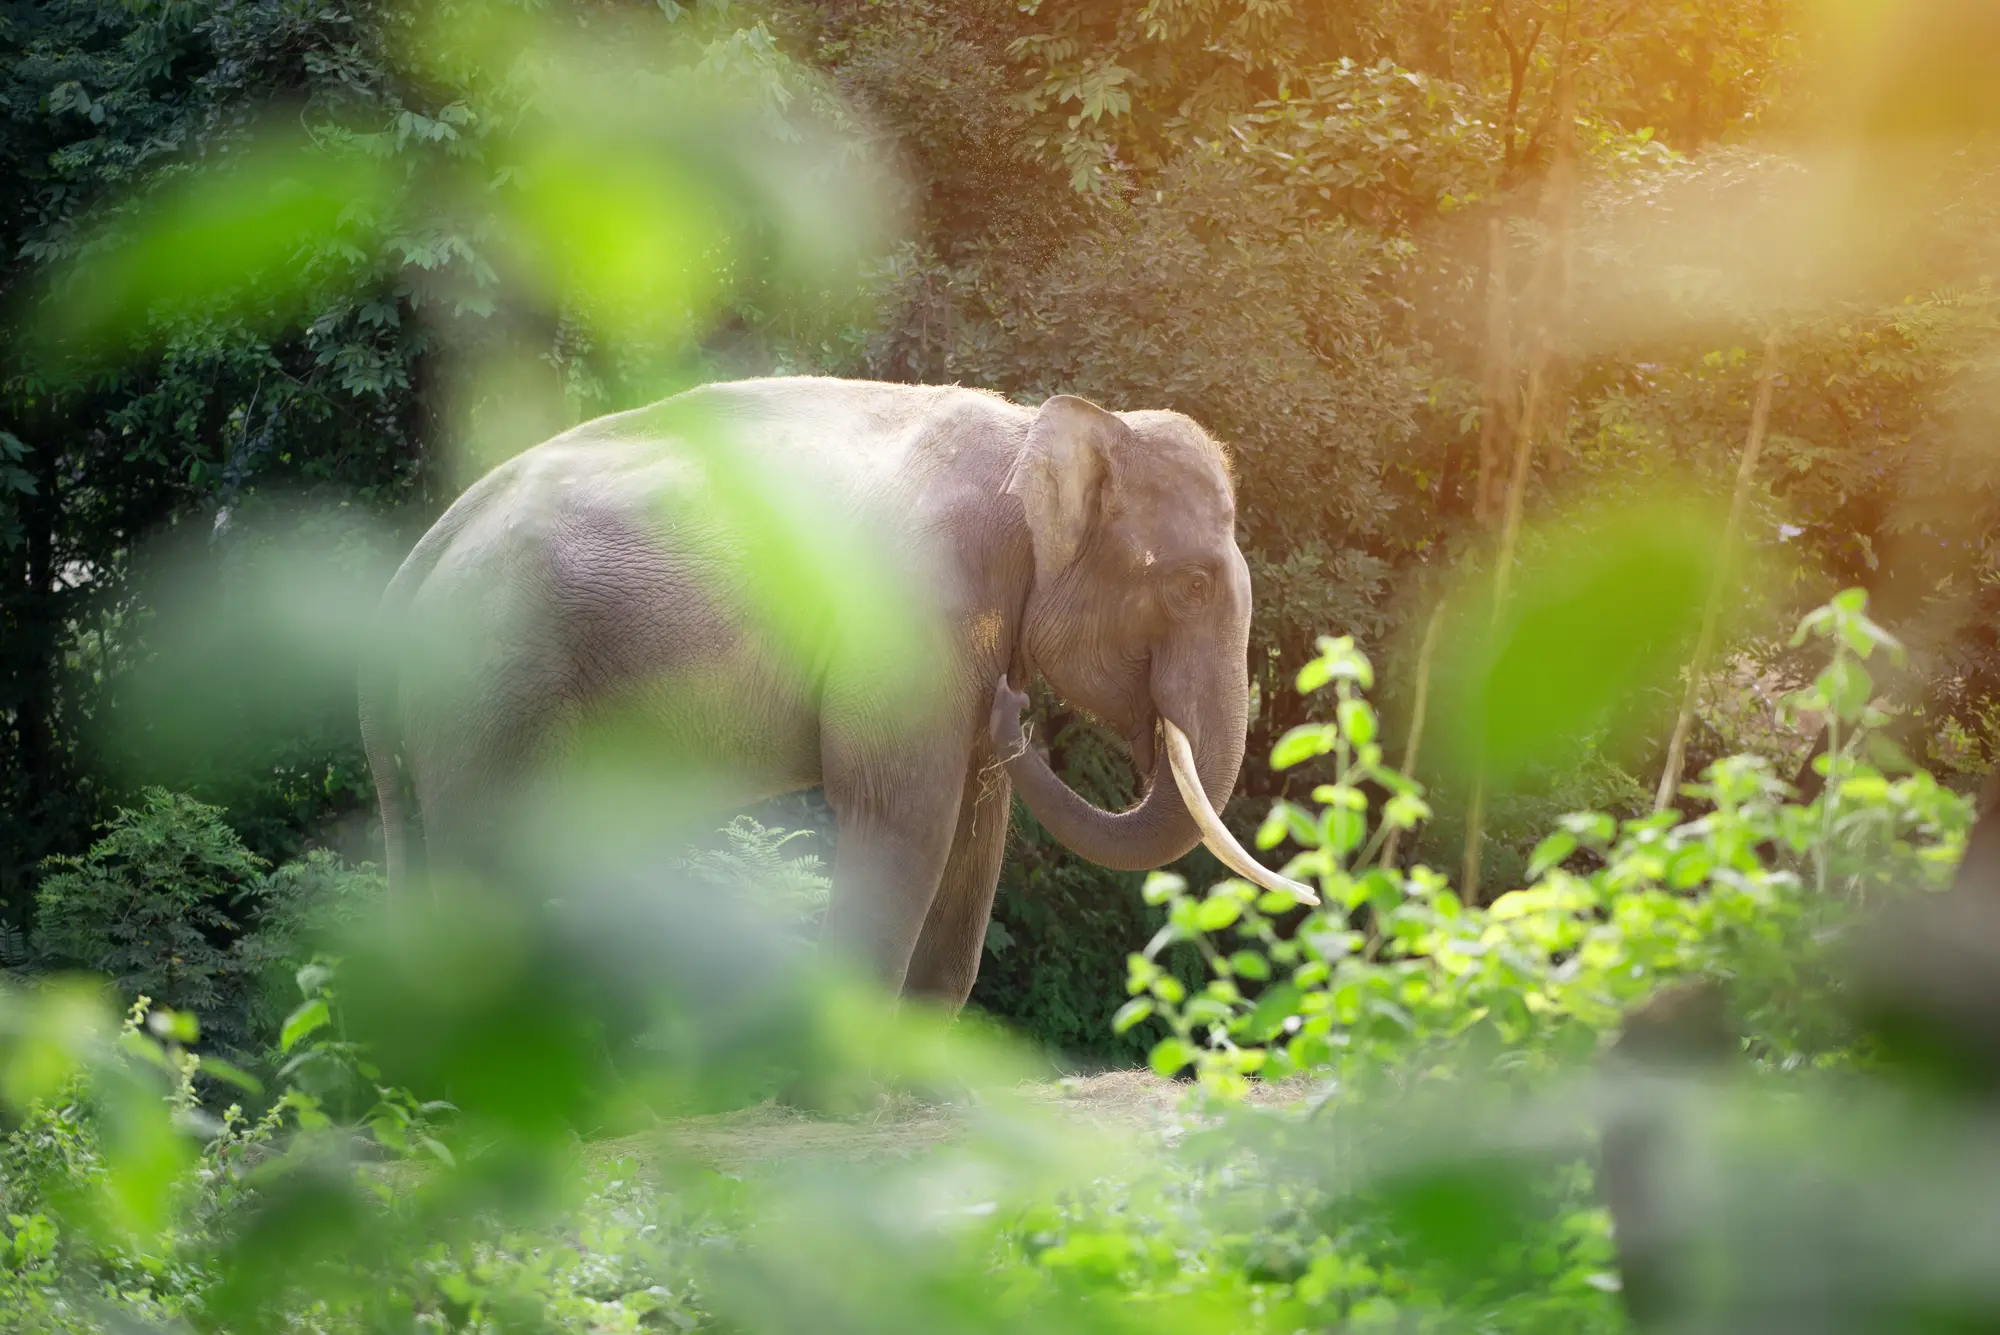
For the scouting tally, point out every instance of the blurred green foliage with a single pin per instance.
(1273, 216)
(425, 1151)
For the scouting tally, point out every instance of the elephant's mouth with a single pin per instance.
(1214, 834)
(1142, 741)
(1154, 832)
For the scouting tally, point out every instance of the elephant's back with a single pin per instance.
(620, 556)
(859, 439)
(866, 449)
(681, 479)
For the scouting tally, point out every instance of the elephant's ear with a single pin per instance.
(1061, 474)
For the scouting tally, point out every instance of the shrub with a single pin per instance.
(1395, 964)
(300, 906)
(157, 904)
(169, 904)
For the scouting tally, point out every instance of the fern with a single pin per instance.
(755, 858)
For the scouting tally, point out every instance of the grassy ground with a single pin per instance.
(1124, 1103)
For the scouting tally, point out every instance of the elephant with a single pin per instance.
(1096, 548)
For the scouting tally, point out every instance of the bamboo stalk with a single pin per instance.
(1417, 711)
(1503, 569)
(1704, 645)
(1475, 832)
(1495, 417)
(1495, 410)
(1552, 275)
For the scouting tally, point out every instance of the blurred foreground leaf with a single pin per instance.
(1600, 617)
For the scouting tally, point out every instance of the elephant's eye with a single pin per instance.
(1189, 588)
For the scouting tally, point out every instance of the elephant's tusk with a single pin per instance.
(1180, 759)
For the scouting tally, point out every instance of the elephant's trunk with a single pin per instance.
(1175, 814)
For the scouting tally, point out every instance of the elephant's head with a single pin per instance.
(1140, 614)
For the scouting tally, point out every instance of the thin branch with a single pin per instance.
(1746, 473)
(1616, 22)
(1517, 86)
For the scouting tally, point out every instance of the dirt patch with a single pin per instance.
(1125, 1102)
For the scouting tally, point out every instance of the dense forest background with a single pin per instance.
(1368, 245)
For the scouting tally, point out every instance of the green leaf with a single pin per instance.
(1404, 810)
(230, 1074)
(1341, 795)
(1550, 853)
(1300, 824)
(174, 1026)
(1865, 789)
(1884, 752)
(1855, 633)
(1274, 902)
(1357, 720)
(1278, 1003)
(1250, 964)
(1139, 973)
(1846, 686)
(1169, 1055)
(1594, 624)
(1303, 743)
(1690, 866)
(1343, 830)
(1131, 1013)
(1382, 888)
(1345, 662)
(307, 1019)
(1217, 912)
(1207, 1010)
(233, 233)
(1594, 828)
(1272, 832)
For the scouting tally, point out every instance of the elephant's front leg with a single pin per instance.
(946, 962)
(897, 818)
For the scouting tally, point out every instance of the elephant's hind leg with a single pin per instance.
(946, 960)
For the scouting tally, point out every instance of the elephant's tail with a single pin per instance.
(376, 694)
(379, 692)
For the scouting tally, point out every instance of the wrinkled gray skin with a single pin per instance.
(1096, 548)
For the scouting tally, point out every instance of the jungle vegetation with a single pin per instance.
(1611, 386)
